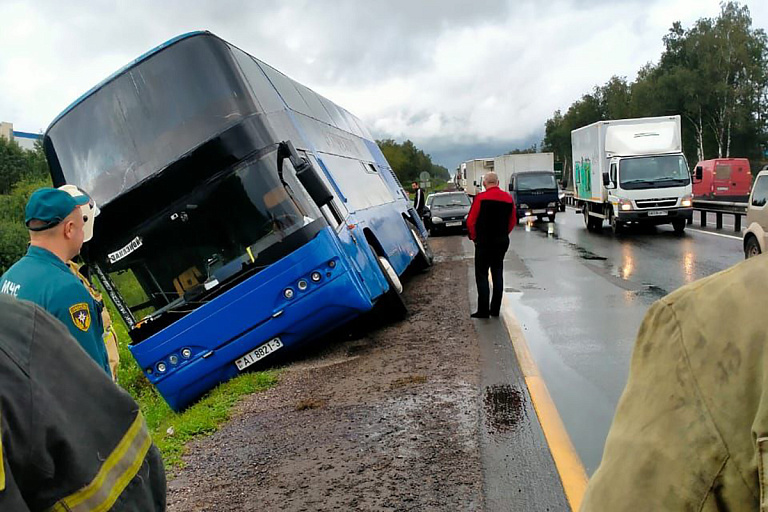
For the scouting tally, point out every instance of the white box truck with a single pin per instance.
(505, 166)
(632, 171)
(473, 172)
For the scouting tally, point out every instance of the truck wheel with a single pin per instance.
(616, 225)
(424, 259)
(679, 226)
(751, 248)
(593, 223)
(392, 300)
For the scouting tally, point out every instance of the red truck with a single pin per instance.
(725, 179)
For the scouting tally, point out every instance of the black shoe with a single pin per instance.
(479, 315)
(495, 313)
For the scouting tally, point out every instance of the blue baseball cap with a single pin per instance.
(51, 205)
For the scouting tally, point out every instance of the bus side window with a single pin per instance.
(334, 212)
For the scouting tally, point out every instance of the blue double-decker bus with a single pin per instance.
(241, 212)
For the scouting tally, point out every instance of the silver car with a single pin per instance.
(756, 234)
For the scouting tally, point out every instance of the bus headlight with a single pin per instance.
(316, 276)
(302, 285)
(174, 359)
(186, 353)
(288, 293)
(161, 368)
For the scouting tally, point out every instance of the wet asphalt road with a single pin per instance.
(580, 298)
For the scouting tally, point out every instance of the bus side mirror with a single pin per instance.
(306, 174)
(699, 173)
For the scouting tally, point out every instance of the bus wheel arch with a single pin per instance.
(391, 301)
(425, 258)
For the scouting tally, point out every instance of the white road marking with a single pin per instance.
(715, 234)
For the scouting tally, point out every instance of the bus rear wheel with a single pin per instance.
(392, 300)
(425, 258)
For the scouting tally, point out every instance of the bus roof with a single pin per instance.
(123, 69)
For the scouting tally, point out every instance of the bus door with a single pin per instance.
(350, 235)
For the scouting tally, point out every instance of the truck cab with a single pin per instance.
(536, 194)
(649, 190)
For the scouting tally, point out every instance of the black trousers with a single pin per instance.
(489, 255)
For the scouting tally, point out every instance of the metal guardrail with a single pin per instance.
(719, 208)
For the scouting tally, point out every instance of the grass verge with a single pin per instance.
(171, 431)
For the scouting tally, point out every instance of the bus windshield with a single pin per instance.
(653, 172)
(149, 116)
(228, 225)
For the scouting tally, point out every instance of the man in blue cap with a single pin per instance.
(55, 222)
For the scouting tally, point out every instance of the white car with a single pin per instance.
(756, 234)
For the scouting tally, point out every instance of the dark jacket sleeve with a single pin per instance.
(74, 439)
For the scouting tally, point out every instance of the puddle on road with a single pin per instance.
(653, 291)
(588, 255)
(504, 407)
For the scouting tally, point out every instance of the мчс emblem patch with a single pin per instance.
(81, 316)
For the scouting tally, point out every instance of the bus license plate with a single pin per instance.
(657, 213)
(259, 353)
(452, 224)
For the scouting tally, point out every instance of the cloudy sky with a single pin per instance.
(461, 79)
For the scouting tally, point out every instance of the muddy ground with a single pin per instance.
(386, 420)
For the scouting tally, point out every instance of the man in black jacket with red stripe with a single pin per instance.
(491, 218)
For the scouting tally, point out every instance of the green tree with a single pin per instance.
(13, 233)
(409, 162)
(714, 74)
(13, 164)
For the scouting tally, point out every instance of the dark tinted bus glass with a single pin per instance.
(150, 116)
(225, 226)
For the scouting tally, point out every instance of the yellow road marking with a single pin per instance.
(569, 466)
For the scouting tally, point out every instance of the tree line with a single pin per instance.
(21, 173)
(714, 74)
(409, 162)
